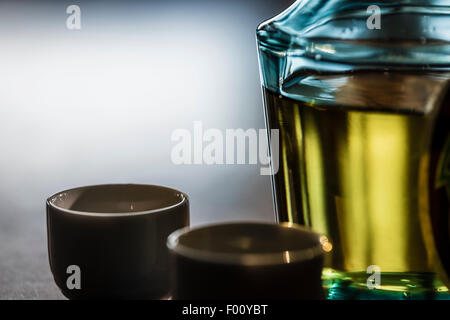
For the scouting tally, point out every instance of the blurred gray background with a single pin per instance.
(99, 105)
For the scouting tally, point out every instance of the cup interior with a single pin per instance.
(237, 242)
(118, 198)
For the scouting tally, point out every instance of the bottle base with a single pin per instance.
(393, 286)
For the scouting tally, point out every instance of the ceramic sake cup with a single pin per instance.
(247, 261)
(109, 241)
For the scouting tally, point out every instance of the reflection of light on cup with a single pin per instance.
(326, 244)
(287, 257)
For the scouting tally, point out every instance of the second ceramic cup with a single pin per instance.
(109, 241)
(247, 261)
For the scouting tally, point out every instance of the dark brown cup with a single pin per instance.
(109, 241)
(247, 261)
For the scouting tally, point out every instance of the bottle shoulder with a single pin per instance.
(405, 32)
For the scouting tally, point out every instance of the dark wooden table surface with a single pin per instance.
(24, 268)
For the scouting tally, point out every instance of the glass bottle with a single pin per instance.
(358, 92)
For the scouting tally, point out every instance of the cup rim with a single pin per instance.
(249, 259)
(50, 201)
